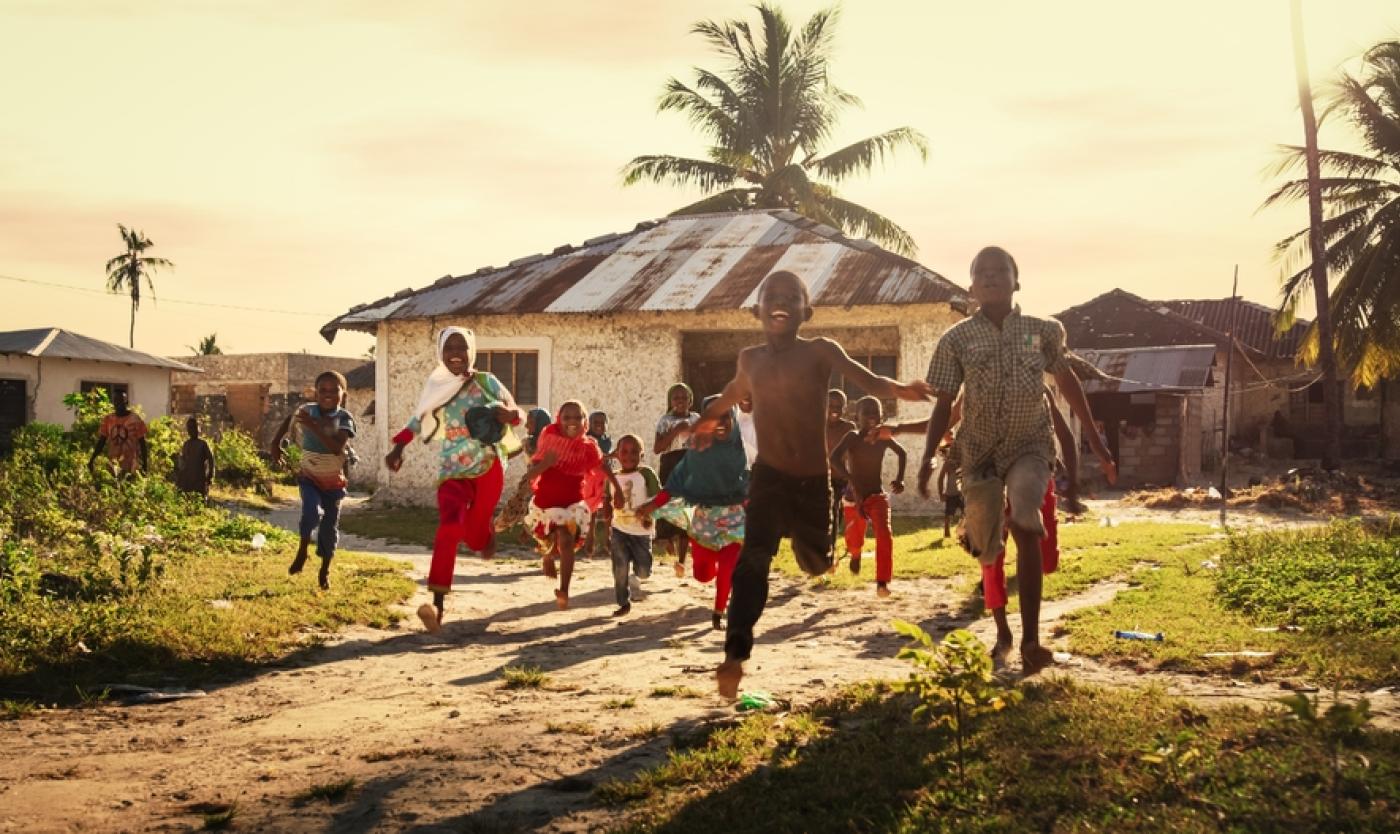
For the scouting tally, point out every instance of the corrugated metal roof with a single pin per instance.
(688, 262)
(1177, 367)
(56, 343)
(1253, 323)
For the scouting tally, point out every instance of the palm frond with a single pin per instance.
(1352, 191)
(677, 170)
(734, 199)
(860, 157)
(859, 221)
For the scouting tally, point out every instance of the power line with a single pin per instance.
(168, 300)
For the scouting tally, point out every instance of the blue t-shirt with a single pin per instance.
(343, 422)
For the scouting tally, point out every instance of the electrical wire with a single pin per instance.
(169, 300)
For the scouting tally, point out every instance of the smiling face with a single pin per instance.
(629, 454)
(993, 277)
(783, 304)
(598, 423)
(835, 406)
(679, 399)
(869, 414)
(328, 393)
(571, 420)
(455, 354)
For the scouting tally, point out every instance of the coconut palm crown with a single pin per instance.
(767, 115)
(125, 271)
(1361, 228)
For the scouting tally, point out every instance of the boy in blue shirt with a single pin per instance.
(325, 429)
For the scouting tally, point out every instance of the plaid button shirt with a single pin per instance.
(1004, 412)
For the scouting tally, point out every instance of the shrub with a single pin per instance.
(238, 461)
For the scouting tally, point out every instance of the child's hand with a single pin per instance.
(702, 434)
(897, 487)
(644, 513)
(504, 415)
(619, 501)
(549, 458)
(917, 391)
(394, 459)
(304, 417)
(1109, 469)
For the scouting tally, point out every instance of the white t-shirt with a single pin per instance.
(749, 434)
(634, 491)
(669, 421)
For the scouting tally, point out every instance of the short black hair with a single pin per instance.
(335, 375)
(866, 403)
(631, 438)
(838, 394)
(995, 250)
(784, 274)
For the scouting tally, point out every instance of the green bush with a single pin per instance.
(1339, 579)
(238, 461)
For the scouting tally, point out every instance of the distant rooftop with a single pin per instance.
(682, 262)
(57, 343)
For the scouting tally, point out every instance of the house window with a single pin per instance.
(880, 364)
(518, 371)
(88, 386)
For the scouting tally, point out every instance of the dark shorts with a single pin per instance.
(781, 505)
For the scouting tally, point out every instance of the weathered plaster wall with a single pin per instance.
(619, 363)
(367, 442)
(50, 380)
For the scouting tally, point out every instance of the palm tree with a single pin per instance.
(1360, 230)
(767, 114)
(208, 346)
(125, 271)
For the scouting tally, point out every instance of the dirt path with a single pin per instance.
(433, 740)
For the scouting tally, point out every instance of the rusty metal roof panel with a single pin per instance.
(688, 262)
(57, 343)
(1171, 368)
(1253, 323)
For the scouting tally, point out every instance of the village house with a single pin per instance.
(254, 392)
(39, 367)
(614, 321)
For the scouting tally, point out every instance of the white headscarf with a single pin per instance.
(442, 385)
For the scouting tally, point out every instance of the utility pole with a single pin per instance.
(1331, 391)
(1225, 420)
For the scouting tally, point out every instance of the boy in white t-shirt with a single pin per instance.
(631, 536)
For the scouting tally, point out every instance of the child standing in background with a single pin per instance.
(630, 538)
(859, 463)
(715, 481)
(325, 429)
(472, 407)
(598, 430)
(672, 439)
(567, 478)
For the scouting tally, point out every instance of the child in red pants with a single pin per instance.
(472, 408)
(859, 461)
(715, 482)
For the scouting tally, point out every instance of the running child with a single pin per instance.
(715, 482)
(789, 487)
(860, 464)
(473, 409)
(837, 427)
(672, 439)
(567, 475)
(630, 539)
(324, 428)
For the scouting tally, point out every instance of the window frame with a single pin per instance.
(866, 360)
(541, 346)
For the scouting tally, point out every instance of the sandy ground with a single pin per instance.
(435, 743)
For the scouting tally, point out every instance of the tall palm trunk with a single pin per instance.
(131, 337)
(1331, 390)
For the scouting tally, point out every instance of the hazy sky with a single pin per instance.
(309, 156)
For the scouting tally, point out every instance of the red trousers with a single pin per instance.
(994, 576)
(718, 565)
(877, 507)
(465, 506)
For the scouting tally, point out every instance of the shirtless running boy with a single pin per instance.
(861, 465)
(789, 488)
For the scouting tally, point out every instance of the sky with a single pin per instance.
(295, 159)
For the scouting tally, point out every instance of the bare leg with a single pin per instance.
(1029, 580)
(565, 542)
(728, 676)
(1004, 636)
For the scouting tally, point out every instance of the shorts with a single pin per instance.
(987, 497)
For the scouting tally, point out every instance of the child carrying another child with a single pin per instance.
(715, 481)
(789, 488)
(567, 474)
(325, 428)
(672, 439)
(472, 408)
(859, 463)
(630, 539)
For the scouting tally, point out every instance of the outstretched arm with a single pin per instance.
(277, 439)
(1079, 404)
(737, 389)
(1069, 449)
(871, 383)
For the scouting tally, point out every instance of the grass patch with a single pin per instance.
(1083, 759)
(524, 677)
(219, 820)
(1089, 554)
(676, 692)
(11, 708)
(572, 728)
(1264, 581)
(620, 703)
(330, 792)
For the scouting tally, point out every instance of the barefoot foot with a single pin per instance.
(882, 589)
(728, 676)
(561, 600)
(717, 621)
(429, 616)
(680, 569)
(1035, 658)
(1001, 648)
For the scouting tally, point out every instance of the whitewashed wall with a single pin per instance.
(621, 364)
(50, 380)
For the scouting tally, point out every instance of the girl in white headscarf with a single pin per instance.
(471, 408)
